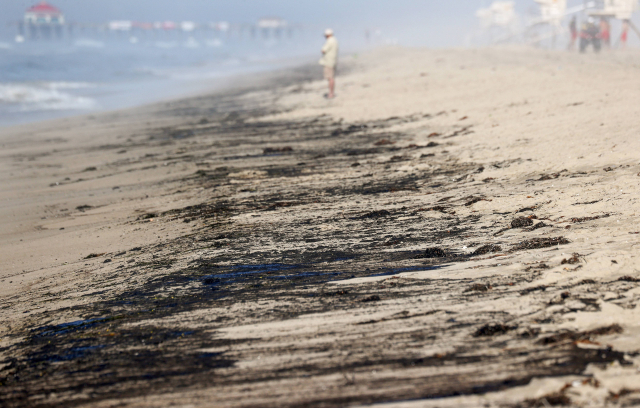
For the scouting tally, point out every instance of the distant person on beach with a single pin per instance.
(573, 28)
(590, 35)
(330, 60)
(605, 32)
(625, 34)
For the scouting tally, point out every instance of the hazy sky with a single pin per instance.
(420, 22)
(249, 10)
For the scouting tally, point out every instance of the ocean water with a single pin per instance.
(52, 79)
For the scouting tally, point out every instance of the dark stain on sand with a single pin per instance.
(227, 271)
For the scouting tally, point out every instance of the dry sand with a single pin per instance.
(265, 247)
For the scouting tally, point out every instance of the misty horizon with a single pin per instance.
(407, 22)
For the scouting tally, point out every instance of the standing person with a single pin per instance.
(605, 32)
(573, 27)
(625, 34)
(330, 60)
(590, 34)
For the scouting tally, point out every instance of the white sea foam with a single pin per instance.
(67, 85)
(153, 72)
(191, 43)
(166, 44)
(46, 96)
(196, 76)
(83, 42)
(231, 62)
(214, 43)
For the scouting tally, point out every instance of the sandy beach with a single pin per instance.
(456, 229)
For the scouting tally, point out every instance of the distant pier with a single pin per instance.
(44, 22)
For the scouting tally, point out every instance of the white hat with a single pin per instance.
(328, 32)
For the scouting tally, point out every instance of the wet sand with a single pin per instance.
(458, 228)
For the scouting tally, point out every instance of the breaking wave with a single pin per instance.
(45, 96)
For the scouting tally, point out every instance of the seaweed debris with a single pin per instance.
(537, 243)
(435, 253)
(487, 249)
(493, 329)
(478, 287)
(273, 150)
(521, 222)
(537, 226)
(571, 261)
(375, 215)
(584, 219)
(581, 336)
